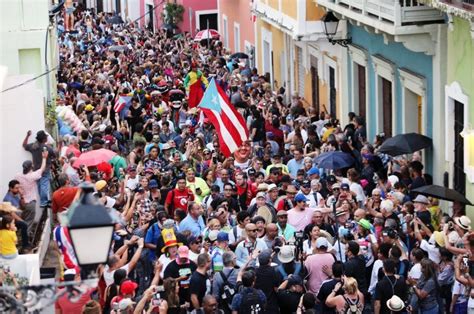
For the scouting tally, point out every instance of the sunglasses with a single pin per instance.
(253, 230)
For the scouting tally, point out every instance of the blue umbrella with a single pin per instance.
(334, 160)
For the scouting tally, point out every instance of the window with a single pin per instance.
(226, 31)
(236, 37)
(300, 60)
(359, 81)
(384, 95)
(414, 98)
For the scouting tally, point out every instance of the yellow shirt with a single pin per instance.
(8, 242)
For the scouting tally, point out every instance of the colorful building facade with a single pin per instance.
(293, 49)
(237, 26)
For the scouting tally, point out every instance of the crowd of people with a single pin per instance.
(264, 230)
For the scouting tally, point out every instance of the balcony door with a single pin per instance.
(387, 107)
(459, 176)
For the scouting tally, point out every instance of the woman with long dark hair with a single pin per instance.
(114, 289)
(426, 290)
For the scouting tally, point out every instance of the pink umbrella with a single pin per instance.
(207, 34)
(94, 157)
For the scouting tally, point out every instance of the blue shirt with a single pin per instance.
(13, 199)
(294, 166)
(152, 236)
(190, 224)
(242, 253)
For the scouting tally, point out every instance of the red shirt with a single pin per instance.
(67, 306)
(62, 198)
(180, 199)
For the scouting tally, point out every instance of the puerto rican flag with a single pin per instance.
(228, 122)
(122, 102)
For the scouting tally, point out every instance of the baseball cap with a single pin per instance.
(222, 236)
(300, 198)
(131, 168)
(183, 252)
(251, 172)
(344, 186)
(306, 184)
(294, 280)
(364, 223)
(282, 213)
(261, 194)
(262, 187)
(312, 171)
(125, 303)
(99, 185)
(272, 186)
(331, 179)
(193, 239)
(336, 186)
(153, 184)
(322, 242)
(128, 287)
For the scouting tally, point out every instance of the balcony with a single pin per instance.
(394, 17)
(461, 8)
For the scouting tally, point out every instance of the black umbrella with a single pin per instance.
(239, 55)
(442, 193)
(405, 144)
(115, 20)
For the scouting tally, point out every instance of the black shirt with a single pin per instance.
(288, 301)
(385, 289)
(267, 282)
(355, 267)
(326, 288)
(174, 270)
(197, 285)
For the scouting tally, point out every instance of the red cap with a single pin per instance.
(128, 287)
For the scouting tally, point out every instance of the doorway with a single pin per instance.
(361, 91)
(459, 177)
(150, 23)
(315, 85)
(387, 107)
(332, 91)
(205, 18)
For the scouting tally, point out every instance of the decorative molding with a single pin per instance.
(454, 93)
(417, 84)
(422, 42)
(449, 8)
(358, 55)
(414, 82)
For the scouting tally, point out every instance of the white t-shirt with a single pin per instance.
(433, 251)
(359, 191)
(374, 278)
(415, 271)
(109, 275)
(309, 249)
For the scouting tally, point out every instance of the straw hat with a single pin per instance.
(7, 207)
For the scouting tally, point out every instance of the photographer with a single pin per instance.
(250, 245)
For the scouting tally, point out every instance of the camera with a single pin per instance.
(450, 226)
(156, 301)
(465, 260)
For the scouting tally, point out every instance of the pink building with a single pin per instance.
(237, 26)
(195, 17)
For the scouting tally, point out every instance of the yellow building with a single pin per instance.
(292, 47)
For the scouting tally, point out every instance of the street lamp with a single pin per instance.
(331, 22)
(91, 227)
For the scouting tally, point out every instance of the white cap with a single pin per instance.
(322, 242)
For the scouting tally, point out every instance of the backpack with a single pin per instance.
(352, 307)
(228, 290)
(251, 303)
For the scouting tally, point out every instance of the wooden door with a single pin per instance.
(459, 176)
(315, 87)
(332, 91)
(387, 107)
(362, 96)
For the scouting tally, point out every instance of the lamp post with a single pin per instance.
(331, 22)
(91, 227)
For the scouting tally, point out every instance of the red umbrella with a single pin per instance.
(94, 157)
(207, 34)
